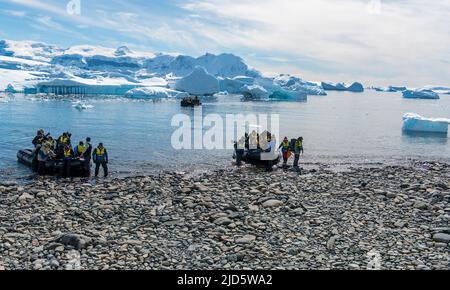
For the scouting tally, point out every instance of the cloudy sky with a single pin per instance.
(377, 42)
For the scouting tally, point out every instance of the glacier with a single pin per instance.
(420, 94)
(413, 122)
(35, 67)
(155, 93)
(198, 82)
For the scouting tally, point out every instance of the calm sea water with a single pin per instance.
(341, 128)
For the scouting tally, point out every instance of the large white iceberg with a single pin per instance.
(155, 93)
(415, 123)
(199, 82)
(420, 94)
(293, 83)
(355, 87)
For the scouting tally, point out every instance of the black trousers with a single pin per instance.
(87, 168)
(239, 154)
(41, 168)
(296, 159)
(65, 169)
(104, 166)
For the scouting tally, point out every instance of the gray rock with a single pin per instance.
(74, 240)
(272, 203)
(247, 239)
(223, 221)
(442, 238)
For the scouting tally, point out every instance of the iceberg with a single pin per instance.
(10, 89)
(397, 89)
(245, 79)
(333, 86)
(81, 106)
(415, 123)
(292, 83)
(155, 93)
(231, 86)
(355, 87)
(390, 89)
(254, 92)
(199, 82)
(288, 95)
(420, 94)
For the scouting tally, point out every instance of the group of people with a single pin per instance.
(266, 142)
(47, 148)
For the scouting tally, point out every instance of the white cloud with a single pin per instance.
(15, 13)
(406, 41)
(396, 42)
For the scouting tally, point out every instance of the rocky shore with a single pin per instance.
(388, 218)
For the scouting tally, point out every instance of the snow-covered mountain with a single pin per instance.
(38, 67)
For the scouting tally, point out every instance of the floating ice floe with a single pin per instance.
(413, 122)
(81, 106)
(420, 94)
(355, 87)
(199, 82)
(155, 93)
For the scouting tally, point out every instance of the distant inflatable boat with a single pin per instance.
(52, 167)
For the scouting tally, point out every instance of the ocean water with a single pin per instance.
(340, 128)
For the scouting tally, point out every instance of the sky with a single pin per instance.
(376, 42)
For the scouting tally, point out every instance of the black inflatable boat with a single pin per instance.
(254, 157)
(52, 167)
(190, 102)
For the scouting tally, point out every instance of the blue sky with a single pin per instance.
(377, 42)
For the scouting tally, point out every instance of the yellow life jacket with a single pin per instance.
(100, 152)
(286, 144)
(80, 149)
(63, 140)
(298, 144)
(67, 153)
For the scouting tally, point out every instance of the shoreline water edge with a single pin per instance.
(374, 217)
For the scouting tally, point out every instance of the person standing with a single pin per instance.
(298, 149)
(39, 139)
(285, 149)
(68, 155)
(100, 157)
(87, 157)
(43, 155)
(79, 149)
